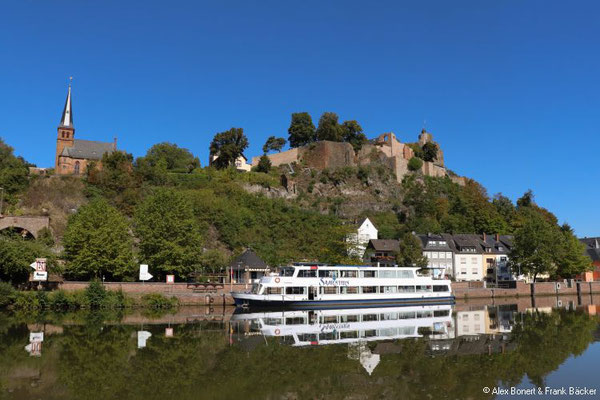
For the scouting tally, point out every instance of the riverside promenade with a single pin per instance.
(219, 295)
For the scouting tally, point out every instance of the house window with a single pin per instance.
(475, 271)
(463, 271)
(474, 260)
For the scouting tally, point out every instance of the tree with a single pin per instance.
(15, 256)
(227, 147)
(504, 206)
(116, 180)
(13, 171)
(302, 130)
(329, 128)
(430, 151)
(274, 143)
(264, 165)
(97, 243)
(170, 241)
(415, 164)
(572, 260)
(176, 159)
(352, 133)
(410, 253)
(526, 200)
(535, 246)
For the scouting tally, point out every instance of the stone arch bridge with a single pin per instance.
(32, 225)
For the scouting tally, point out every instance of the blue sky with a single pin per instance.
(509, 89)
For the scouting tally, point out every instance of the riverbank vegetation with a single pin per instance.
(94, 297)
(163, 209)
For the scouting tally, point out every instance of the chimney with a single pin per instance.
(497, 237)
(115, 143)
(484, 237)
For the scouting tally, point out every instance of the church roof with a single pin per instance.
(66, 121)
(88, 149)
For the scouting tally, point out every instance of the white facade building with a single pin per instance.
(359, 240)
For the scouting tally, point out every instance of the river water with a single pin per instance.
(471, 350)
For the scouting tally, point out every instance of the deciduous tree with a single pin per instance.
(227, 147)
(329, 128)
(170, 241)
(97, 243)
(353, 133)
(274, 143)
(410, 253)
(302, 130)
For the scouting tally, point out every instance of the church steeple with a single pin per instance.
(66, 120)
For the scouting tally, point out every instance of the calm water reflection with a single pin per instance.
(406, 352)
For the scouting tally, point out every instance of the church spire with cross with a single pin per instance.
(66, 120)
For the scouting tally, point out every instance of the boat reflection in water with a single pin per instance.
(320, 327)
(475, 331)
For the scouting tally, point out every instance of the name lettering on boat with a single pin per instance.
(334, 327)
(333, 282)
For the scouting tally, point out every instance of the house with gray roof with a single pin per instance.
(439, 254)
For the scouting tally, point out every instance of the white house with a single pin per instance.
(241, 163)
(468, 260)
(359, 240)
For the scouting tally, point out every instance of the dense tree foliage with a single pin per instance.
(430, 151)
(116, 180)
(172, 157)
(170, 240)
(16, 254)
(329, 128)
(227, 147)
(353, 133)
(415, 164)
(302, 130)
(410, 253)
(274, 143)
(97, 243)
(264, 164)
(13, 173)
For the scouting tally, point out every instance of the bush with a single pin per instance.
(7, 294)
(95, 294)
(59, 300)
(415, 164)
(27, 301)
(157, 300)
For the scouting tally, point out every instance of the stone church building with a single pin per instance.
(73, 156)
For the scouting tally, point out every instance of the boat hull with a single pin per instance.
(249, 301)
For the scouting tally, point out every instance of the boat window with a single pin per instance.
(406, 315)
(329, 319)
(349, 335)
(406, 330)
(406, 289)
(349, 274)
(349, 289)
(369, 317)
(388, 332)
(424, 288)
(388, 289)
(440, 288)
(405, 274)
(328, 290)
(441, 313)
(370, 333)
(369, 289)
(388, 316)
(295, 290)
(307, 337)
(287, 272)
(272, 321)
(294, 321)
(274, 290)
(348, 318)
(369, 274)
(424, 314)
(307, 273)
(328, 335)
(387, 274)
(328, 273)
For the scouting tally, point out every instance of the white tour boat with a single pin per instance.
(333, 286)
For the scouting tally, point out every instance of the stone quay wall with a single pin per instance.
(186, 294)
(468, 290)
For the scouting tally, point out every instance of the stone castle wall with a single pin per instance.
(386, 149)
